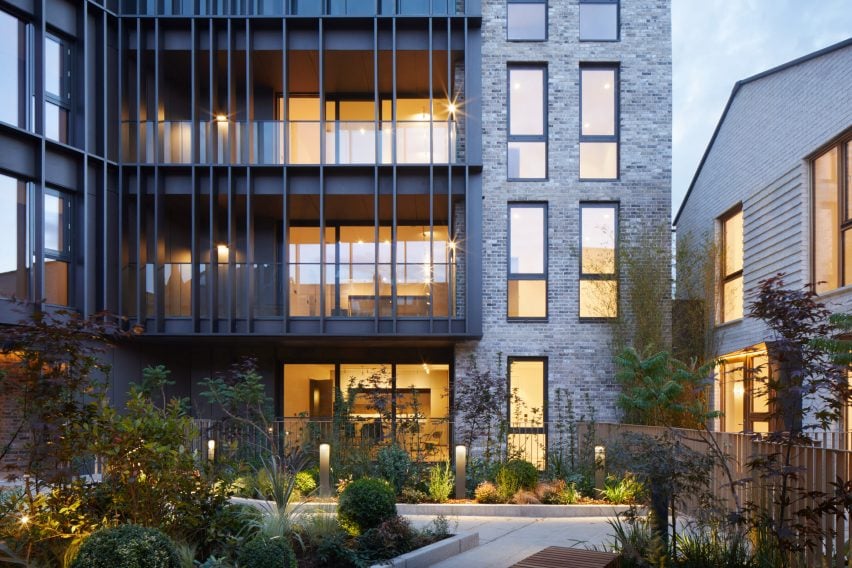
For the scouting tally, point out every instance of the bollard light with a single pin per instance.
(325, 484)
(211, 449)
(461, 468)
(600, 466)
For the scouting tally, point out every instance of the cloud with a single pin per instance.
(715, 43)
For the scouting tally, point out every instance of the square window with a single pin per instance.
(598, 21)
(526, 21)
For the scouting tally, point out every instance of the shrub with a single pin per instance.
(486, 492)
(523, 497)
(441, 481)
(413, 495)
(305, 483)
(365, 504)
(130, 546)
(394, 465)
(515, 475)
(622, 492)
(557, 493)
(263, 552)
(391, 538)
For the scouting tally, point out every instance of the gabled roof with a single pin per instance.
(735, 90)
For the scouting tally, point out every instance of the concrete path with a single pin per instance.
(503, 541)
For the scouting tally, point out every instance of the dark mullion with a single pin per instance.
(194, 266)
(285, 235)
(249, 276)
(285, 256)
(452, 297)
(377, 151)
(141, 314)
(431, 311)
(394, 232)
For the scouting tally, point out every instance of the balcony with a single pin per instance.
(292, 7)
(293, 143)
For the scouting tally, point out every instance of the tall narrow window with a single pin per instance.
(598, 276)
(527, 261)
(57, 248)
(527, 140)
(13, 69)
(528, 408)
(832, 236)
(732, 266)
(599, 20)
(526, 20)
(599, 122)
(57, 89)
(14, 247)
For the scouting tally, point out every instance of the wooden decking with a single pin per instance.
(560, 557)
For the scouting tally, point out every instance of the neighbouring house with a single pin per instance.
(344, 189)
(774, 192)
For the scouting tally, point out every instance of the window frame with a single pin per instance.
(529, 430)
(25, 90)
(615, 137)
(64, 102)
(723, 277)
(538, 66)
(67, 233)
(745, 363)
(598, 276)
(516, 276)
(617, 21)
(546, 20)
(843, 222)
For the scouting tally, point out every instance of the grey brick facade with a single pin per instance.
(578, 353)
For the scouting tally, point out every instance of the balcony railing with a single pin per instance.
(292, 7)
(294, 142)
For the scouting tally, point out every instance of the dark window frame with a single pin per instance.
(539, 66)
(546, 20)
(599, 276)
(544, 275)
(724, 278)
(615, 137)
(749, 373)
(843, 144)
(534, 430)
(67, 234)
(62, 100)
(617, 21)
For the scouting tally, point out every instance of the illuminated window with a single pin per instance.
(598, 122)
(744, 385)
(57, 248)
(14, 248)
(598, 277)
(731, 292)
(527, 140)
(527, 408)
(832, 236)
(526, 20)
(527, 285)
(598, 20)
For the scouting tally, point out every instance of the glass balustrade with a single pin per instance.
(297, 142)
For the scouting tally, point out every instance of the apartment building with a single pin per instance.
(342, 189)
(772, 191)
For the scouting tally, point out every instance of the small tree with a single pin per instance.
(479, 410)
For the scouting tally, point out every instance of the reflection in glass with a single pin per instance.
(598, 240)
(14, 263)
(598, 298)
(527, 298)
(55, 282)
(598, 22)
(13, 69)
(53, 67)
(54, 223)
(733, 389)
(55, 122)
(526, 21)
(734, 243)
(598, 102)
(527, 160)
(526, 249)
(733, 294)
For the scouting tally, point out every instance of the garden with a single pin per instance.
(149, 485)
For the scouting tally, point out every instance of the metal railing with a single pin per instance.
(272, 142)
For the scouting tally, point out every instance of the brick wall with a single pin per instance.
(579, 354)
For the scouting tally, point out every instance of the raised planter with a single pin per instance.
(435, 552)
(467, 509)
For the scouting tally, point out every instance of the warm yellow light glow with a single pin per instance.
(222, 251)
(211, 449)
(739, 390)
(452, 245)
(451, 108)
(25, 519)
(426, 368)
(324, 473)
(221, 118)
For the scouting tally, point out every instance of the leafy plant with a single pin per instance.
(624, 491)
(441, 480)
(557, 492)
(305, 483)
(127, 545)
(413, 495)
(394, 464)
(515, 475)
(392, 537)
(486, 492)
(365, 504)
(265, 552)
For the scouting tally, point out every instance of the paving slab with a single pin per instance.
(504, 541)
